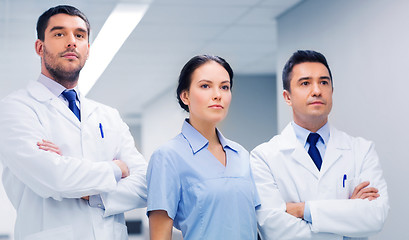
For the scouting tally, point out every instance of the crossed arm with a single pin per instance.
(51, 147)
(362, 191)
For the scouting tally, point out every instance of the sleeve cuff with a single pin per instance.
(95, 201)
(117, 172)
(307, 212)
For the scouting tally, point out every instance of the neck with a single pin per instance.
(208, 130)
(68, 84)
(311, 125)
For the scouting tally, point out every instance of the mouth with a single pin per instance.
(70, 55)
(316, 103)
(216, 106)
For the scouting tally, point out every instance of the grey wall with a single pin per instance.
(252, 117)
(367, 45)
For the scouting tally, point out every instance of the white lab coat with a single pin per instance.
(284, 172)
(45, 188)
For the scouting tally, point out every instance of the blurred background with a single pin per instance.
(366, 43)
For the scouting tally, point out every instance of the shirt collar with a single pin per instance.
(302, 133)
(54, 86)
(196, 139)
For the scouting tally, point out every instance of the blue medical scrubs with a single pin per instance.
(205, 199)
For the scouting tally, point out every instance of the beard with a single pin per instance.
(57, 71)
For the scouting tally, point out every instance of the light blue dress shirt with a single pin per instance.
(205, 199)
(302, 135)
(57, 89)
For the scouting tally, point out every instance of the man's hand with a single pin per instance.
(123, 167)
(362, 191)
(49, 146)
(296, 209)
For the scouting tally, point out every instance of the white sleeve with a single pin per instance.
(131, 191)
(273, 221)
(355, 217)
(46, 173)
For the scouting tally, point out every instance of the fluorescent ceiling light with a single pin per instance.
(119, 25)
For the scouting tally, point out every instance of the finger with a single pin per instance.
(359, 187)
(49, 147)
(366, 190)
(369, 195)
(369, 190)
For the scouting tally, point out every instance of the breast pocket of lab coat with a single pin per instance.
(345, 187)
(108, 142)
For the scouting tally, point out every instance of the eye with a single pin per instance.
(204, 85)
(225, 87)
(305, 83)
(326, 82)
(58, 34)
(80, 36)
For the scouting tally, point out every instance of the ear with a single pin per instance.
(39, 46)
(184, 96)
(88, 50)
(287, 97)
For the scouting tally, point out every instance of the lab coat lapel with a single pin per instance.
(336, 145)
(87, 108)
(42, 94)
(298, 154)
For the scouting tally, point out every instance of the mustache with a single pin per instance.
(70, 51)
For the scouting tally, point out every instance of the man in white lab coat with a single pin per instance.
(71, 168)
(314, 181)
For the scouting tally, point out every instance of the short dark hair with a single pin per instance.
(302, 56)
(42, 21)
(194, 63)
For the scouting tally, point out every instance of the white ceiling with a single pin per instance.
(171, 32)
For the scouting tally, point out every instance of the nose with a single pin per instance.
(71, 42)
(316, 89)
(217, 95)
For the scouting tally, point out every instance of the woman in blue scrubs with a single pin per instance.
(200, 182)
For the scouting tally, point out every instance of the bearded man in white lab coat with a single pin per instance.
(330, 188)
(71, 168)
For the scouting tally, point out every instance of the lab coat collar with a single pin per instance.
(337, 138)
(198, 142)
(42, 94)
(290, 143)
(337, 143)
(87, 107)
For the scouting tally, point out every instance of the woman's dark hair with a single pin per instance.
(302, 56)
(42, 21)
(194, 63)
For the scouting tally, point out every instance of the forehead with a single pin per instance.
(210, 70)
(66, 21)
(309, 69)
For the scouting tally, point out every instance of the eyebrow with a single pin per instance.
(308, 78)
(60, 28)
(208, 81)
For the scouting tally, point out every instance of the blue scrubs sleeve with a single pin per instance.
(163, 183)
(256, 198)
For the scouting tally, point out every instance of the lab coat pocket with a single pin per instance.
(60, 233)
(108, 143)
(120, 231)
(345, 188)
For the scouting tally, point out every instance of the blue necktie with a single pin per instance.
(313, 151)
(71, 96)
